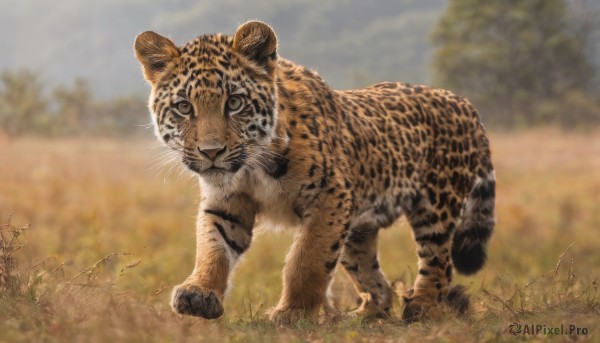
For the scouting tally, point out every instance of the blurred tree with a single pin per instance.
(22, 102)
(511, 56)
(69, 110)
(75, 108)
(125, 116)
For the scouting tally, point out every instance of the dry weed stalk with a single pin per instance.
(9, 244)
(544, 294)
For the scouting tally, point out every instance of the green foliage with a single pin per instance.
(515, 58)
(73, 105)
(26, 108)
(22, 103)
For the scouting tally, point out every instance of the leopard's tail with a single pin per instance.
(477, 221)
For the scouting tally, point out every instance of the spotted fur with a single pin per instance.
(274, 145)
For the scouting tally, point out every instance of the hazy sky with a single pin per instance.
(350, 43)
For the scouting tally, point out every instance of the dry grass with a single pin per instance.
(109, 236)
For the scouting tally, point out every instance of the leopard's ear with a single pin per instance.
(155, 53)
(258, 42)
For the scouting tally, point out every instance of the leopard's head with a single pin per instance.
(213, 100)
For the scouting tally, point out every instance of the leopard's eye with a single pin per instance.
(234, 103)
(184, 107)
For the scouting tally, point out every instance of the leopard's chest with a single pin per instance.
(275, 204)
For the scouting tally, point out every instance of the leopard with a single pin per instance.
(272, 145)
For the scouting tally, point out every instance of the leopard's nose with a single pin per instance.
(213, 152)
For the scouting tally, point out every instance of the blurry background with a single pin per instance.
(68, 67)
(79, 163)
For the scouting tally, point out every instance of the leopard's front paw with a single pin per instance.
(194, 301)
(288, 316)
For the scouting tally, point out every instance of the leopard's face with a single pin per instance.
(215, 116)
(212, 101)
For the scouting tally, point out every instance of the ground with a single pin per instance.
(108, 230)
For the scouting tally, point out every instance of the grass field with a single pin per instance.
(103, 234)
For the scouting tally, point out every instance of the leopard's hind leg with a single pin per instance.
(450, 230)
(433, 225)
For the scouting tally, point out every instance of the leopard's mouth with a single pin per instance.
(194, 166)
(230, 164)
